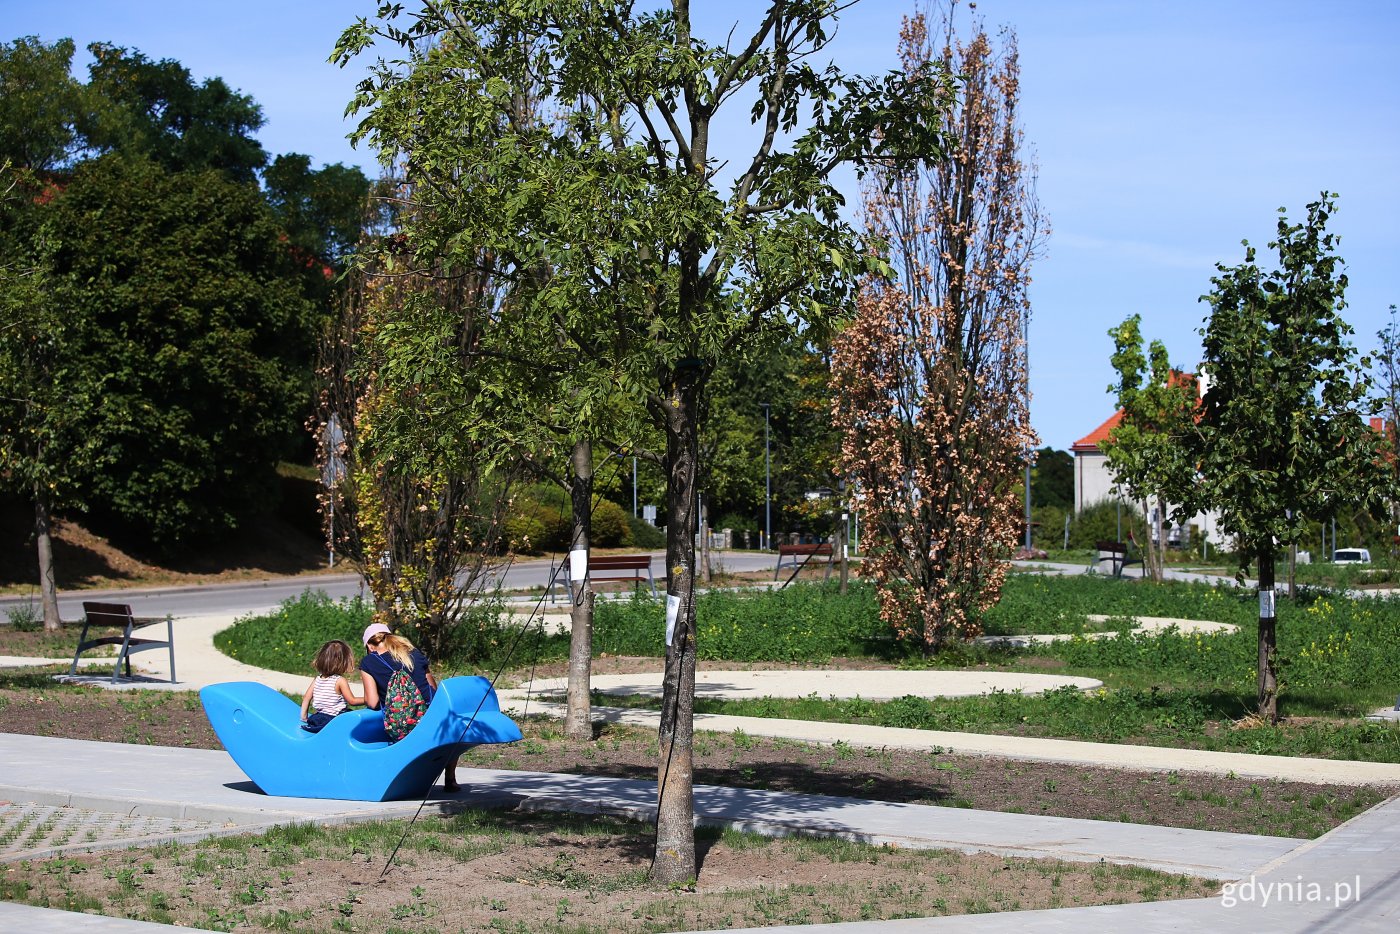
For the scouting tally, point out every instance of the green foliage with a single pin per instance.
(1052, 479)
(323, 211)
(288, 638)
(644, 534)
(803, 622)
(41, 104)
(195, 324)
(541, 520)
(1155, 716)
(1105, 521)
(1281, 440)
(24, 617)
(610, 526)
(155, 110)
(47, 388)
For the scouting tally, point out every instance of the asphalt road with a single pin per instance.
(259, 595)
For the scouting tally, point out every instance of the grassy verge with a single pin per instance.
(1178, 719)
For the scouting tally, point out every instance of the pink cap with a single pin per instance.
(374, 629)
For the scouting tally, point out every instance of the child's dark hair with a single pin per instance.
(335, 658)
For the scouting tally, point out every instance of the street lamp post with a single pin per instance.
(767, 483)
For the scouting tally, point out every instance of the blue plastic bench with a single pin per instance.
(351, 759)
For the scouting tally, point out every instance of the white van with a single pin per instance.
(1351, 556)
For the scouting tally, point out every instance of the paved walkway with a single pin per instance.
(1348, 880)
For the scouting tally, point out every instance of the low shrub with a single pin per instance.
(288, 638)
(644, 534)
(541, 519)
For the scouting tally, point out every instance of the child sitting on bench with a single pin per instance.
(329, 692)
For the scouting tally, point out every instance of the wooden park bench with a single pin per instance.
(1116, 554)
(118, 615)
(806, 553)
(604, 569)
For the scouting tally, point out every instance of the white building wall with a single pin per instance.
(1094, 484)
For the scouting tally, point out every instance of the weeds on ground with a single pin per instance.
(551, 873)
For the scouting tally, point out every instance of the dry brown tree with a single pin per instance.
(930, 379)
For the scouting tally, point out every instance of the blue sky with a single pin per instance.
(1165, 133)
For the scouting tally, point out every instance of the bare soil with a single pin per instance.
(282, 543)
(529, 873)
(522, 872)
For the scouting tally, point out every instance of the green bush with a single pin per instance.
(1100, 522)
(541, 519)
(524, 533)
(288, 638)
(610, 527)
(644, 534)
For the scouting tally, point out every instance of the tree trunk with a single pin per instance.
(43, 536)
(1149, 551)
(674, 861)
(1268, 638)
(1159, 526)
(578, 720)
(842, 533)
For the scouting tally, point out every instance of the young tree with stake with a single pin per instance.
(657, 269)
(1281, 439)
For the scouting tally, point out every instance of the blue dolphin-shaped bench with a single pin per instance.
(351, 759)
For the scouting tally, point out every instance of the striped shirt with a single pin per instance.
(324, 696)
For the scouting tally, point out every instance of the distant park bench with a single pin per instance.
(605, 569)
(118, 615)
(1116, 554)
(792, 553)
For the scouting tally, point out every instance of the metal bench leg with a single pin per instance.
(123, 656)
(73, 668)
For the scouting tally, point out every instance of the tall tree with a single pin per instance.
(931, 377)
(323, 210)
(156, 109)
(1388, 382)
(419, 512)
(196, 319)
(42, 107)
(1146, 451)
(1282, 439)
(656, 272)
(1052, 479)
(48, 393)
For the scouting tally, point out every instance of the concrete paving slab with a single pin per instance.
(23, 919)
(205, 785)
(1345, 881)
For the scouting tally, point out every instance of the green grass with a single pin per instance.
(1156, 717)
(288, 638)
(1336, 654)
(801, 623)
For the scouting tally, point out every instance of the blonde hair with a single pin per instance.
(335, 658)
(400, 648)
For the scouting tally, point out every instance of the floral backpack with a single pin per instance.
(403, 705)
